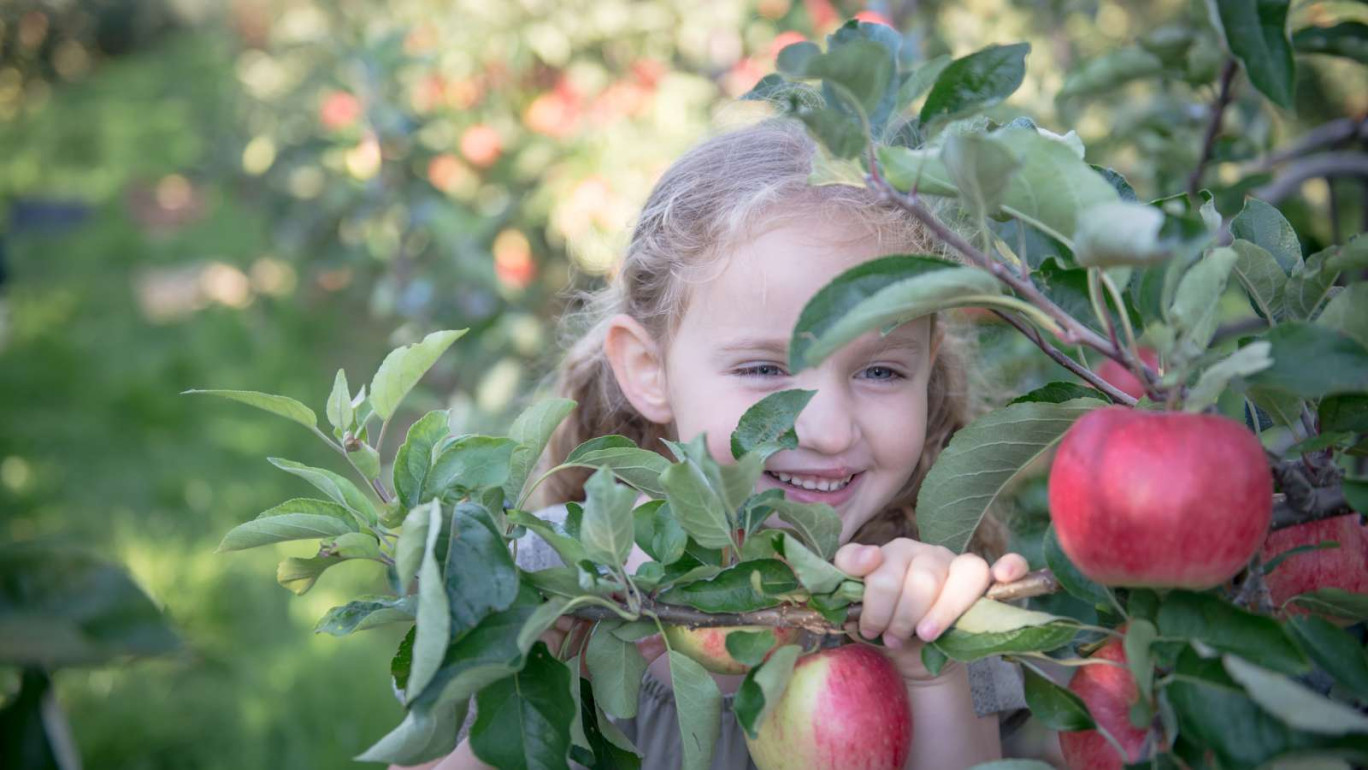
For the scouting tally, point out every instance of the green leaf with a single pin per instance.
(767, 425)
(470, 462)
(541, 620)
(1309, 285)
(1334, 650)
(1116, 233)
(1310, 361)
(1054, 186)
(288, 408)
(615, 667)
(297, 519)
(606, 529)
(980, 167)
(531, 431)
(570, 549)
(1056, 393)
(408, 551)
(817, 524)
(1261, 277)
(1256, 34)
(523, 722)
(1348, 39)
(763, 686)
(862, 69)
(1108, 72)
(734, 482)
(1248, 360)
(699, 705)
(658, 533)
(339, 489)
(421, 737)
(1140, 637)
(487, 653)
(639, 467)
(1334, 601)
(298, 575)
(1347, 312)
(1055, 707)
(413, 462)
(839, 131)
(480, 575)
(1073, 581)
(1294, 703)
(434, 627)
(61, 605)
(880, 294)
(815, 573)
(994, 628)
(1214, 713)
(402, 369)
(366, 612)
(1195, 312)
(1347, 412)
(983, 460)
(749, 647)
(1208, 619)
(339, 409)
(697, 507)
(1266, 227)
(976, 82)
(919, 81)
(735, 590)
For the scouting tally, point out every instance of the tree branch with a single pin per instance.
(1327, 164)
(1326, 135)
(1213, 129)
(1063, 360)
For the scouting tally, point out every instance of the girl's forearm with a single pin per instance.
(947, 734)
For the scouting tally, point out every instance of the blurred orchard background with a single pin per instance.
(253, 193)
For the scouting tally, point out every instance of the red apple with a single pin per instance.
(1121, 378)
(708, 646)
(1160, 499)
(1109, 692)
(844, 709)
(1344, 567)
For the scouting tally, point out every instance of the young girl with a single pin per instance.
(694, 329)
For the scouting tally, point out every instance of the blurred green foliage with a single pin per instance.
(253, 194)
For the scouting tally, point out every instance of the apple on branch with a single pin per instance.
(1108, 689)
(708, 646)
(1344, 567)
(1160, 499)
(845, 708)
(1122, 378)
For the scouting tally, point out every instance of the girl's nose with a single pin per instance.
(828, 425)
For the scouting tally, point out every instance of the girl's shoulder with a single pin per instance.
(534, 553)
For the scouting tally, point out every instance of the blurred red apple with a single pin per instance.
(1345, 567)
(481, 145)
(708, 646)
(1109, 692)
(339, 110)
(1160, 499)
(1121, 378)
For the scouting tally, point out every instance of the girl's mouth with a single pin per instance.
(814, 489)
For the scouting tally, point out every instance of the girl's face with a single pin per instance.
(861, 435)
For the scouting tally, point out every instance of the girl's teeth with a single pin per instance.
(812, 482)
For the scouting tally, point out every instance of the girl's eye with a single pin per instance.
(760, 370)
(881, 373)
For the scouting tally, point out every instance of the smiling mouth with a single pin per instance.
(811, 483)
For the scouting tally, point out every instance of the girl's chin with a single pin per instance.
(835, 498)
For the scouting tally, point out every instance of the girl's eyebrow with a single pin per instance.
(770, 344)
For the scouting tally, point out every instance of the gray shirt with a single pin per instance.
(996, 687)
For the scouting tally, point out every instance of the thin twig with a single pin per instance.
(1325, 135)
(1213, 130)
(1327, 164)
(1063, 360)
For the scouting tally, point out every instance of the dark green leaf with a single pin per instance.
(983, 460)
(1073, 581)
(486, 653)
(1334, 601)
(920, 80)
(298, 519)
(933, 659)
(480, 575)
(1348, 39)
(1334, 650)
(699, 705)
(817, 524)
(814, 573)
(424, 735)
(414, 460)
(1056, 393)
(976, 82)
(1140, 638)
(1347, 312)
(402, 369)
(980, 168)
(523, 722)
(732, 589)
(1208, 619)
(606, 528)
(639, 467)
(749, 647)
(434, 626)
(1255, 32)
(1348, 412)
(769, 423)
(696, 505)
(366, 612)
(1311, 361)
(469, 462)
(1105, 73)
(1262, 278)
(841, 132)
(860, 69)
(763, 686)
(1266, 227)
(1293, 703)
(1309, 285)
(62, 606)
(1054, 706)
(288, 408)
(658, 533)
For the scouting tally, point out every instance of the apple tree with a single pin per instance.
(1171, 489)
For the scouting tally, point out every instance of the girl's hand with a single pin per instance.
(915, 588)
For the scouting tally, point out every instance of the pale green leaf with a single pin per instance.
(297, 519)
(615, 667)
(1294, 703)
(402, 369)
(339, 409)
(333, 485)
(532, 430)
(607, 527)
(286, 407)
(699, 510)
(699, 705)
(434, 613)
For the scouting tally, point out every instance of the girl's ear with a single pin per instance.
(639, 366)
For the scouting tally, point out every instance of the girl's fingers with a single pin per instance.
(858, 560)
(966, 581)
(883, 586)
(1011, 567)
(923, 582)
